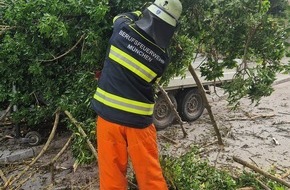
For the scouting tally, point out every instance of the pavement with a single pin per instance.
(8, 156)
(281, 78)
(23, 152)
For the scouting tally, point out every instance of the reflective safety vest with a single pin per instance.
(133, 63)
(124, 104)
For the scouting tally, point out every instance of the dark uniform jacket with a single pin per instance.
(133, 63)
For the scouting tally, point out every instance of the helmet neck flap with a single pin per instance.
(160, 31)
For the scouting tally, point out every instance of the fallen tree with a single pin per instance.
(50, 56)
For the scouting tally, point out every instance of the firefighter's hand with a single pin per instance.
(137, 13)
(98, 74)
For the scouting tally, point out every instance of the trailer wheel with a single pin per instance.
(34, 138)
(190, 104)
(163, 116)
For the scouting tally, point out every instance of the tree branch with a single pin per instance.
(6, 112)
(207, 105)
(3, 29)
(263, 185)
(247, 44)
(168, 139)
(74, 121)
(3, 176)
(20, 184)
(164, 93)
(53, 131)
(71, 49)
(60, 152)
(258, 170)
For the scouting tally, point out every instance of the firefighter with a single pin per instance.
(124, 99)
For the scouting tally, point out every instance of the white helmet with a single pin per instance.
(167, 10)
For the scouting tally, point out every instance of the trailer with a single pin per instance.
(185, 96)
(18, 131)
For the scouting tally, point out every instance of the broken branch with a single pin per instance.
(60, 152)
(164, 93)
(251, 118)
(3, 176)
(286, 174)
(10, 182)
(258, 170)
(6, 112)
(285, 113)
(18, 186)
(263, 185)
(74, 121)
(72, 48)
(206, 104)
(168, 139)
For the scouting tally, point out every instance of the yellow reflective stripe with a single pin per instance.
(132, 64)
(116, 17)
(123, 104)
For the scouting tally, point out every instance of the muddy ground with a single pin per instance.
(259, 135)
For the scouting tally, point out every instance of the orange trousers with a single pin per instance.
(115, 142)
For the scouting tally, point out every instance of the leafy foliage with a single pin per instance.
(191, 172)
(287, 22)
(242, 34)
(50, 53)
(278, 7)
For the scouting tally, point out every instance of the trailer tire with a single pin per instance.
(190, 104)
(163, 116)
(34, 138)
